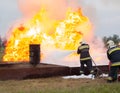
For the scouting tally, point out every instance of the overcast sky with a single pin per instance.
(104, 14)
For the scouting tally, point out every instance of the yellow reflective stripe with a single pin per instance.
(91, 71)
(112, 50)
(109, 78)
(115, 64)
(82, 47)
(81, 72)
(82, 59)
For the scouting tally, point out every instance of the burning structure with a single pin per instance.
(51, 34)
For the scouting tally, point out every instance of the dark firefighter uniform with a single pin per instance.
(113, 55)
(85, 58)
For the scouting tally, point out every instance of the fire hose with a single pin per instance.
(97, 70)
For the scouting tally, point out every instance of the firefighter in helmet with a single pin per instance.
(113, 54)
(85, 58)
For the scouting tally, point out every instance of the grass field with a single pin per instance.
(59, 85)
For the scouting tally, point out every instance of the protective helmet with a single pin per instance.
(111, 44)
(82, 42)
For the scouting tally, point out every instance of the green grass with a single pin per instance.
(58, 85)
(102, 88)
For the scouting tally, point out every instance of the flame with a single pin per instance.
(62, 34)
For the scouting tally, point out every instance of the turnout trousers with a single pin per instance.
(113, 72)
(88, 64)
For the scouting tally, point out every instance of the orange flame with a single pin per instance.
(62, 34)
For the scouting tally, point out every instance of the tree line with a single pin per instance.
(2, 42)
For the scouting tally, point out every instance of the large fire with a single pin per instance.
(61, 34)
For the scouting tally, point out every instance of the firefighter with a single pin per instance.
(113, 54)
(85, 58)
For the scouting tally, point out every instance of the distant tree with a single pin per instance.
(0, 41)
(115, 38)
(4, 41)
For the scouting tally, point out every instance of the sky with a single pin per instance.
(104, 15)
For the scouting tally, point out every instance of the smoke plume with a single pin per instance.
(55, 8)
